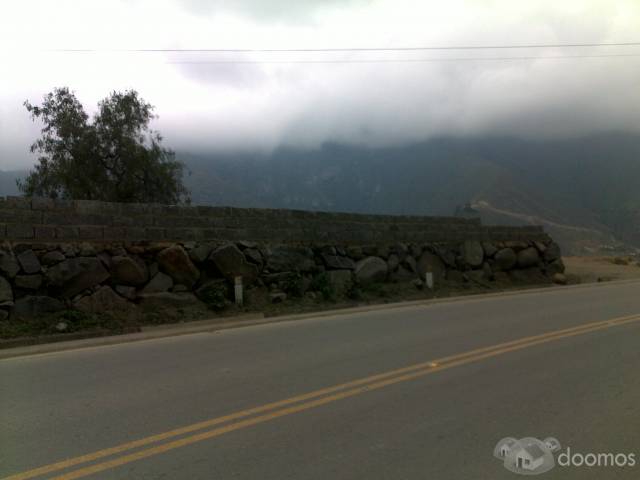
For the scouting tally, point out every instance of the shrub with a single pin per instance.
(321, 283)
(620, 261)
(292, 285)
(354, 292)
(214, 295)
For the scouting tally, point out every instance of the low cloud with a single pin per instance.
(261, 100)
(278, 10)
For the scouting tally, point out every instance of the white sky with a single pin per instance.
(261, 106)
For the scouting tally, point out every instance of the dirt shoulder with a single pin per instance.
(599, 269)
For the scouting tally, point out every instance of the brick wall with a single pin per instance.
(47, 220)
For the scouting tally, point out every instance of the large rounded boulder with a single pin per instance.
(528, 257)
(371, 270)
(472, 253)
(505, 259)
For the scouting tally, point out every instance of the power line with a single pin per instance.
(349, 49)
(405, 60)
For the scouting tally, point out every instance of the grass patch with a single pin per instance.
(379, 290)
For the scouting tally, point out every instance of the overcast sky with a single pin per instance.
(208, 106)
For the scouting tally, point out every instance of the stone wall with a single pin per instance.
(46, 220)
(130, 259)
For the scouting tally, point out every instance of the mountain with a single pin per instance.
(583, 190)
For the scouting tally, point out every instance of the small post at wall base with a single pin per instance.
(428, 280)
(238, 290)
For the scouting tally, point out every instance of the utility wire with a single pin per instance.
(354, 49)
(406, 60)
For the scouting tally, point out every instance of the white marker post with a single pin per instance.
(238, 290)
(428, 280)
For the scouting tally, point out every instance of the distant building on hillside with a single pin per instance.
(466, 211)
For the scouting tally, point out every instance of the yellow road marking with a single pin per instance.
(363, 385)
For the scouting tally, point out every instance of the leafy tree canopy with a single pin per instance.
(114, 157)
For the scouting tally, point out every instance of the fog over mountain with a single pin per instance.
(265, 100)
(584, 191)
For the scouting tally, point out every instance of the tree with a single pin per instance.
(115, 158)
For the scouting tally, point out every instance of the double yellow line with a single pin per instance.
(242, 419)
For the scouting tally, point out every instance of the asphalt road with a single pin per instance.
(435, 418)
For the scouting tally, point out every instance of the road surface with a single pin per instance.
(420, 392)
